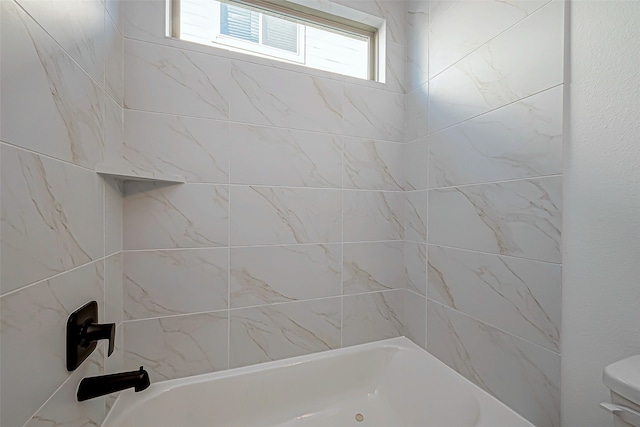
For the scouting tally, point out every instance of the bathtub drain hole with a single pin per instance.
(359, 417)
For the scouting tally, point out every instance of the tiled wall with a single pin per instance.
(61, 103)
(487, 78)
(288, 236)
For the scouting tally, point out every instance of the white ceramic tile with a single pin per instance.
(520, 140)
(32, 330)
(414, 317)
(162, 283)
(373, 165)
(415, 267)
(417, 113)
(512, 66)
(267, 96)
(519, 296)
(373, 215)
(49, 104)
(273, 215)
(373, 113)
(78, 26)
(272, 274)
(114, 60)
(261, 334)
(64, 410)
(417, 18)
(113, 289)
(467, 25)
(114, 364)
(197, 149)
(51, 217)
(395, 80)
(158, 216)
(415, 164)
(438, 7)
(523, 375)
(372, 266)
(372, 317)
(144, 19)
(274, 156)
(178, 346)
(418, 60)
(415, 216)
(193, 84)
(115, 10)
(113, 132)
(113, 215)
(519, 218)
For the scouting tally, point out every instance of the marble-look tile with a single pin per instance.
(437, 8)
(414, 317)
(373, 113)
(63, 410)
(373, 215)
(395, 80)
(518, 296)
(113, 289)
(51, 217)
(32, 331)
(262, 334)
(519, 218)
(274, 215)
(415, 216)
(158, 216)
(520, 140)
(266, 96)
(197, 149)
(415, 164)
(510, 67)
(113, 131)
(418, 61)
(163, 283)
(114, 364)
(114, 65)
(273, 156)
(416, 115)
(415, 267)
(373, 165)
(144, 20)
(467, 25)
(49, 104)
(78, 26)
(372, 266)
(113, 190)
(272, 274)
(115, 10)
(417, 19)
(178, 346)
(193, 84)
(372, 317)
(528, 377)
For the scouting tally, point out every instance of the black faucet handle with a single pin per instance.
(96, 331)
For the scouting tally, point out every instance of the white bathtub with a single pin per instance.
(391, 383)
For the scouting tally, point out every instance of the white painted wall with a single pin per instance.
(601, 238)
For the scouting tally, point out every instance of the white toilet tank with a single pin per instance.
(623, 379)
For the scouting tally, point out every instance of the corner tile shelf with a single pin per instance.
(128, 175)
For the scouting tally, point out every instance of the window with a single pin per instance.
(282, 30)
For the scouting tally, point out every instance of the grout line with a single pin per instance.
(494, 254)
(559, 175)
(493, 327)
(276, 245)
(47, 156)
(494, 109)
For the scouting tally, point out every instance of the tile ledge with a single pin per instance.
(124, 173)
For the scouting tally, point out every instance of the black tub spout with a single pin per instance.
(106, 384)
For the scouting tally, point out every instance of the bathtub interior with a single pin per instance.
(393, 383)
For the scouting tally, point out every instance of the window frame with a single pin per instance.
(301, 15)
